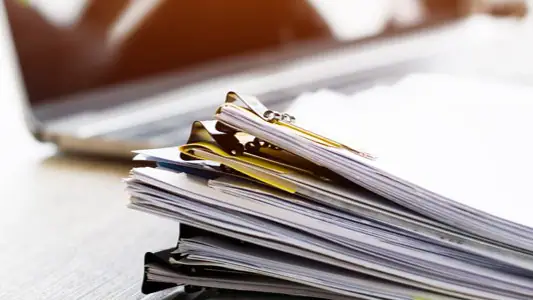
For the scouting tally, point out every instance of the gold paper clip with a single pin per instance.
(253, 105)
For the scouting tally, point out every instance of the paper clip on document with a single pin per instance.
(231, 140)
(235, 142)
(253, 105)
(241, 153)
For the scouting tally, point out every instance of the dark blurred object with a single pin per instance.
(503, 8)
(110, 76)
(438, 10)
(190, 32)
(58, 60)
(176, 34)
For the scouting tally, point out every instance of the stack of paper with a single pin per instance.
(417, 190)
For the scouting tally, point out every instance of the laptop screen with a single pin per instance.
(69, 48)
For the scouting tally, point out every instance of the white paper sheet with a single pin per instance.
(459, 148)
(418, 260)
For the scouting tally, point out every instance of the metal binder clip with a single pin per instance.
(271, 115)
(205, 131)
(256, 145)
(255, 106)
(288, 118)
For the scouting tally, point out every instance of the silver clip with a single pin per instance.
(253, 104)
(271, 115)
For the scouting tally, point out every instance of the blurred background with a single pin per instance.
(106, 77)
(94, 44)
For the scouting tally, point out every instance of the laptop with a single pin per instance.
(106, 79)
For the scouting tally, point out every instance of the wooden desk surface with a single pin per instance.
(65, 231)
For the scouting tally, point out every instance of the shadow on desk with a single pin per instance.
(90, 163)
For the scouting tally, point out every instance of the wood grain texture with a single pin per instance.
(65, 231)
(67, 234)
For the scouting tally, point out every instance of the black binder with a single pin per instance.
(193, 292)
